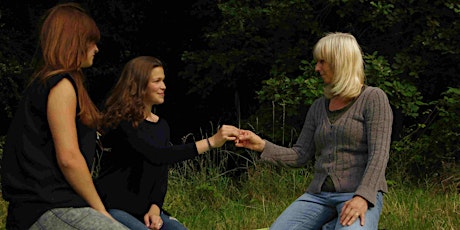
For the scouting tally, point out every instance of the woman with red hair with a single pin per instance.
(52, 138)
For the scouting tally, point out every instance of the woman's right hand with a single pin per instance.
(225, 133)
(248, 139)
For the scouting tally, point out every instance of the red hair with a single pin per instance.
(67, 32)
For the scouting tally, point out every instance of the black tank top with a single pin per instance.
(32, 181)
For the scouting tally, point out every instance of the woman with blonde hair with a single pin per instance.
(51, 141)
(348, 133)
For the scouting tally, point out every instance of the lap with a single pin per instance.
(76, 218)
(133, 223)
(127, 219)
(320, 211)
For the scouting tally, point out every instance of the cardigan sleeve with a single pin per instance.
(304, 148)
(378, 124)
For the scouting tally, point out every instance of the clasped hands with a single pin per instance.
(152, 218)
(241, 137)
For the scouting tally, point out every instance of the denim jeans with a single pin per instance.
(169, 223)
(321, 211)
(76, 218)
(127, 219)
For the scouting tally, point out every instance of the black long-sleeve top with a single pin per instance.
(134, 173)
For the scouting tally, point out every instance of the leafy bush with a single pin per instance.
(430, 150)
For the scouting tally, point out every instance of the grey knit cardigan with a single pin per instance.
(353, 151)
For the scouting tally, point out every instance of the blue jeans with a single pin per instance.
(312, 211)
(127, 219)
(169, 223)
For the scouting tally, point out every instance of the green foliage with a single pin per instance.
(301, 90)
(403, 95)
(446, 126)
(285, 96)
(248, 40)
(2, 144)
(11, 83)
(431, 149)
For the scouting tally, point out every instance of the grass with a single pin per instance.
(203, 195)
(253, 200)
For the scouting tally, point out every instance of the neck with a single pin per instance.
(147, 110)
(152, 117)
(338, 102)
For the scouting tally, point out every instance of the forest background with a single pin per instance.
(248, 63)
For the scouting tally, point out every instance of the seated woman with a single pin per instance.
(134, 174)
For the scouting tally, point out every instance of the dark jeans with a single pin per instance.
(169, 223)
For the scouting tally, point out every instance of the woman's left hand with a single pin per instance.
(153, 221)
(352, 210)
(152, 218)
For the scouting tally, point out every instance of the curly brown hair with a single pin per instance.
(126, 100)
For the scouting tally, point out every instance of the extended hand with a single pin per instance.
(248, 139)
(225, 133)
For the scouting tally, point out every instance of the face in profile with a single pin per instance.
(155, 90)
(325, 70)
(92, 50)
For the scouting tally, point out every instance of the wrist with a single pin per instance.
(261, 146)
(209, 144)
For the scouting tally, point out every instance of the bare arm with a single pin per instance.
(61, 112)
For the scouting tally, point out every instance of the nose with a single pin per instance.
(317, 67)
(96, 50)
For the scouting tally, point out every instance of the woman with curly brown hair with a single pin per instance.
(134, 174)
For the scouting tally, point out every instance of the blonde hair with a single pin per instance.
(344, 55)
